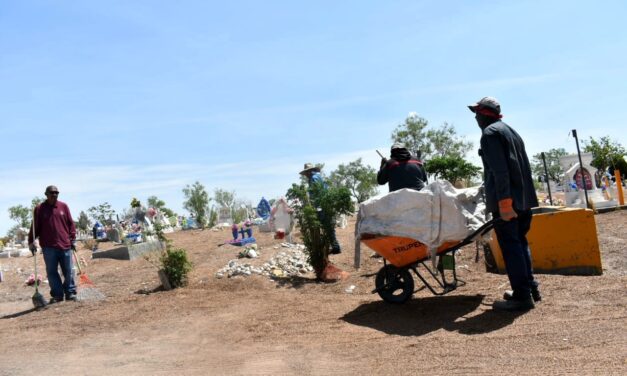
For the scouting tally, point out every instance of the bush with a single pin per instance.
(174, 262)
(316, 229)
(176, 266)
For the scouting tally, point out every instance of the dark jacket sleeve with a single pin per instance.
(382, 176)
(495, 157)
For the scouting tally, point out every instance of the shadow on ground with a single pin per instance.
(420, 316)
(147, 291)
(18, 314)
(295, 282)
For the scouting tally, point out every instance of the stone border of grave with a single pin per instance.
(130, 252)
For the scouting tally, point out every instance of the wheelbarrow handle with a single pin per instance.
(489, 225)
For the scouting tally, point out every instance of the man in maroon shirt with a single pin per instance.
(55, 229)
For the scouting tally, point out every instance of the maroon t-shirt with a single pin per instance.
(54, 226)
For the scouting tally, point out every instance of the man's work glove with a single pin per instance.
(506, 210)
(383, 162)
(33, 248)
(73, 246)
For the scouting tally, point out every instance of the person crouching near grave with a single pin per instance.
(313, 175)
(247, 229)
(235, 231)
(402, 170)
(510, 195)
(56, 231)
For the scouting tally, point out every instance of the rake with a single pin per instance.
(86, 290)
(83, 278)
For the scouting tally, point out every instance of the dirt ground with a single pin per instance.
(254, 325)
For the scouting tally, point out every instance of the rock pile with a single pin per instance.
(290, 261)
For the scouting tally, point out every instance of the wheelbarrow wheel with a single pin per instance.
(394, 285)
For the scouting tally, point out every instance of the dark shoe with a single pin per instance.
(335, 251)
(514, 305)
(535, 294)
(71, 297)
(55, 300)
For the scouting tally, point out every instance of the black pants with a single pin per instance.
(512, 238)
(329, 228)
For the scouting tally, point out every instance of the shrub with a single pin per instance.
(173, 261)
(315, 228)
(176, 266)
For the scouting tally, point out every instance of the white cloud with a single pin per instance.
(83, 185)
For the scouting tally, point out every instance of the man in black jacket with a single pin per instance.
(510, 195)
(402, 170)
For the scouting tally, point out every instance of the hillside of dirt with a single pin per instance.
(257, 325)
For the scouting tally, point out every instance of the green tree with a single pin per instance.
(155, 202)
(606, 153)
(36, 201)
(213, 216)
(361, 180)
(135, 203)
(444, 142)
(224, 198)
(83, 221)
(442, 149)
(452, 168)
(20, 214)
(413, 134)
(197, 202)
(228, 199)
(240, 211)
(315, 232)
(102, 213)
(418, 139)
(555, 170)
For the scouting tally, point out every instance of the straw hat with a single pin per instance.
(309, 167)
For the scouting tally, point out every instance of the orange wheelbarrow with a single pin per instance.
(394, 282)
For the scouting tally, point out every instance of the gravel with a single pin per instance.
(290, 261)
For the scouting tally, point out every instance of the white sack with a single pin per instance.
(433, 216)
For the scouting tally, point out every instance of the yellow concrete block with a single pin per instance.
(562, 241)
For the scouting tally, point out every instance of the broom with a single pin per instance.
(38, 300)
(86, 289)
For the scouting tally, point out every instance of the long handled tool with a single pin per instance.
(85, 289)
(38, 300)
(83, 278)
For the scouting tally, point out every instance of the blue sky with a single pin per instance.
(111, 100)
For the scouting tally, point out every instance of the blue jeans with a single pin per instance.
(54, 257)
(512, 238)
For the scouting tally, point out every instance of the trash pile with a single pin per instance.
(290, 262)
(250, 251)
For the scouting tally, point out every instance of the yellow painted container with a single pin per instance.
(562, 241)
